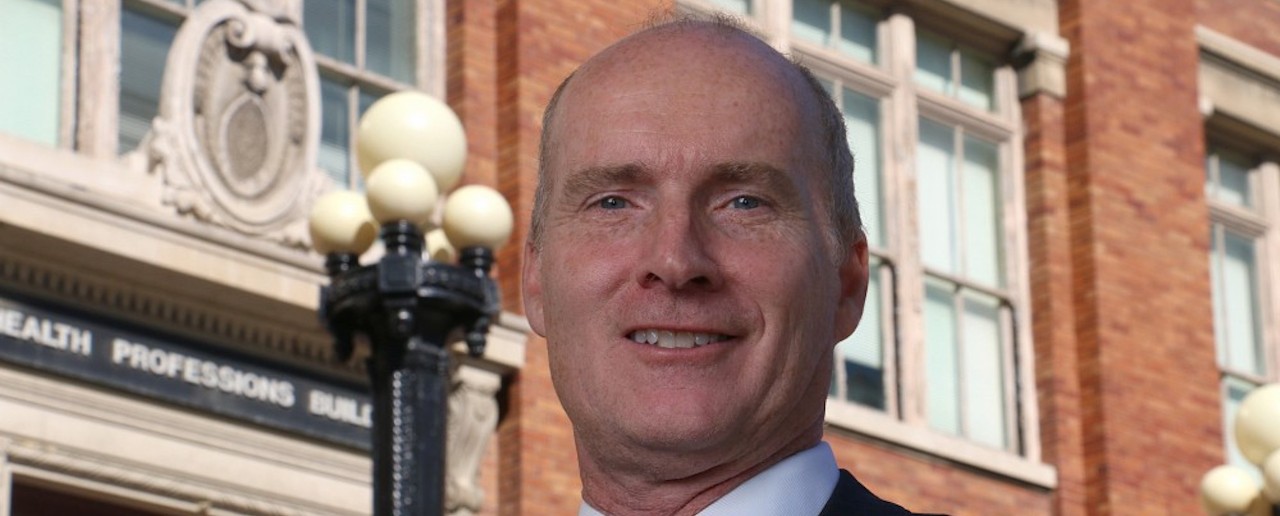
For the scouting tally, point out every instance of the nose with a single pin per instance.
(678, 255)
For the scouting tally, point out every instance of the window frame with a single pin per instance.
(891, 79)
(91, 116)
(1260, 223)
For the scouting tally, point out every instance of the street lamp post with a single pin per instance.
(1231, 490)
(409, 307)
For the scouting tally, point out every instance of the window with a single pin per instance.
(366, 49)
(933, 125)
(1237, 185)
(145, 38)
(31, 35)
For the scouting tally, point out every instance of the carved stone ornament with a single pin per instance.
(473, 417)
(236, 137)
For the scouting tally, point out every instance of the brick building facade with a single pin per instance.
(1073, 209)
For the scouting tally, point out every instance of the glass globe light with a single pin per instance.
(1271, 477)
(439, 248)
(476, 215)
(340, 223)
(1258, 423)
(1228, 490)
(400, 189)
(415, 126)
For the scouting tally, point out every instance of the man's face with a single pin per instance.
(686, 207)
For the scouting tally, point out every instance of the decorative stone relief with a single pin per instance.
(236, 138)
(473, 417)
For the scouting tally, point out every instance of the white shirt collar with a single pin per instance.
(799, 485)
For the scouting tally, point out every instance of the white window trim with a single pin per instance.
(1237, 101)
(905, 422)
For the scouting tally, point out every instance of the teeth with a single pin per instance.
(679, 339)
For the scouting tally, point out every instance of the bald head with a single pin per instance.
(729, 59)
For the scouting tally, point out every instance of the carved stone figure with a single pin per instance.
(236, 138)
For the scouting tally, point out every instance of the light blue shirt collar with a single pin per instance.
(798, 485)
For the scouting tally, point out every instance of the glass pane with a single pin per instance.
(1219, 295)
(737, 6)
(828, 85)
(366, 99)
(811, 21)
(1233, 179)
(862, 120)
(982, 212)
(941, 383)
(1241, 310)
(1233, 392)
(862, 354)
(977, 82)
(334, 155)
(389, 40)
(857, 34)
(933, 63)
(144, 48)
(935, 194)
(30, 68)
(983, 375)
(331, 27)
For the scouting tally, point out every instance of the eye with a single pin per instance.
(745, 202)
(612, 202)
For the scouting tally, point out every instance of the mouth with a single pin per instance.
(676, 339)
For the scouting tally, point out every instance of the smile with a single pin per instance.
(675, 339)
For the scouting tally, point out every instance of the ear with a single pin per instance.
(531, 281)
(853, 287)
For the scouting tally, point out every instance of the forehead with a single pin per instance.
(680, 97)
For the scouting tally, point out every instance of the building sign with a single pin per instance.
(194, 375)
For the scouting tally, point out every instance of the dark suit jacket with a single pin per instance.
(852, 499)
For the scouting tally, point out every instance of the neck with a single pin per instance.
(618, 488)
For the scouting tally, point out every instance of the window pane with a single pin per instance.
(857, 34)
(737, 6)
(981, 212)
(861, 356)
(144, 48)
(862, 120)
(331, 27)
(335, 136)
(30, 62)
(941, 383)
(389, 40)
(983, 385)
(1233, 178)
(933, 63)
(1233, 392)
(811, 21)
(1237, 321)
(977, 82)
(935, 194)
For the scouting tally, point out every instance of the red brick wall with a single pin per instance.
(926, 484)
(1256, 22)
(1052, 309)
(1143, 319)
(1117, 235)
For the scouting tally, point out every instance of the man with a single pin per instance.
(695, 255)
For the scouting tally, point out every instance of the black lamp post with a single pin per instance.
(1231, 490)
(410, 306)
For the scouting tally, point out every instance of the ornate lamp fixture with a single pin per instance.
(410, 305)
(1231, 490)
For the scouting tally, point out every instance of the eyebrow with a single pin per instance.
(756, 172)
(591, 179)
